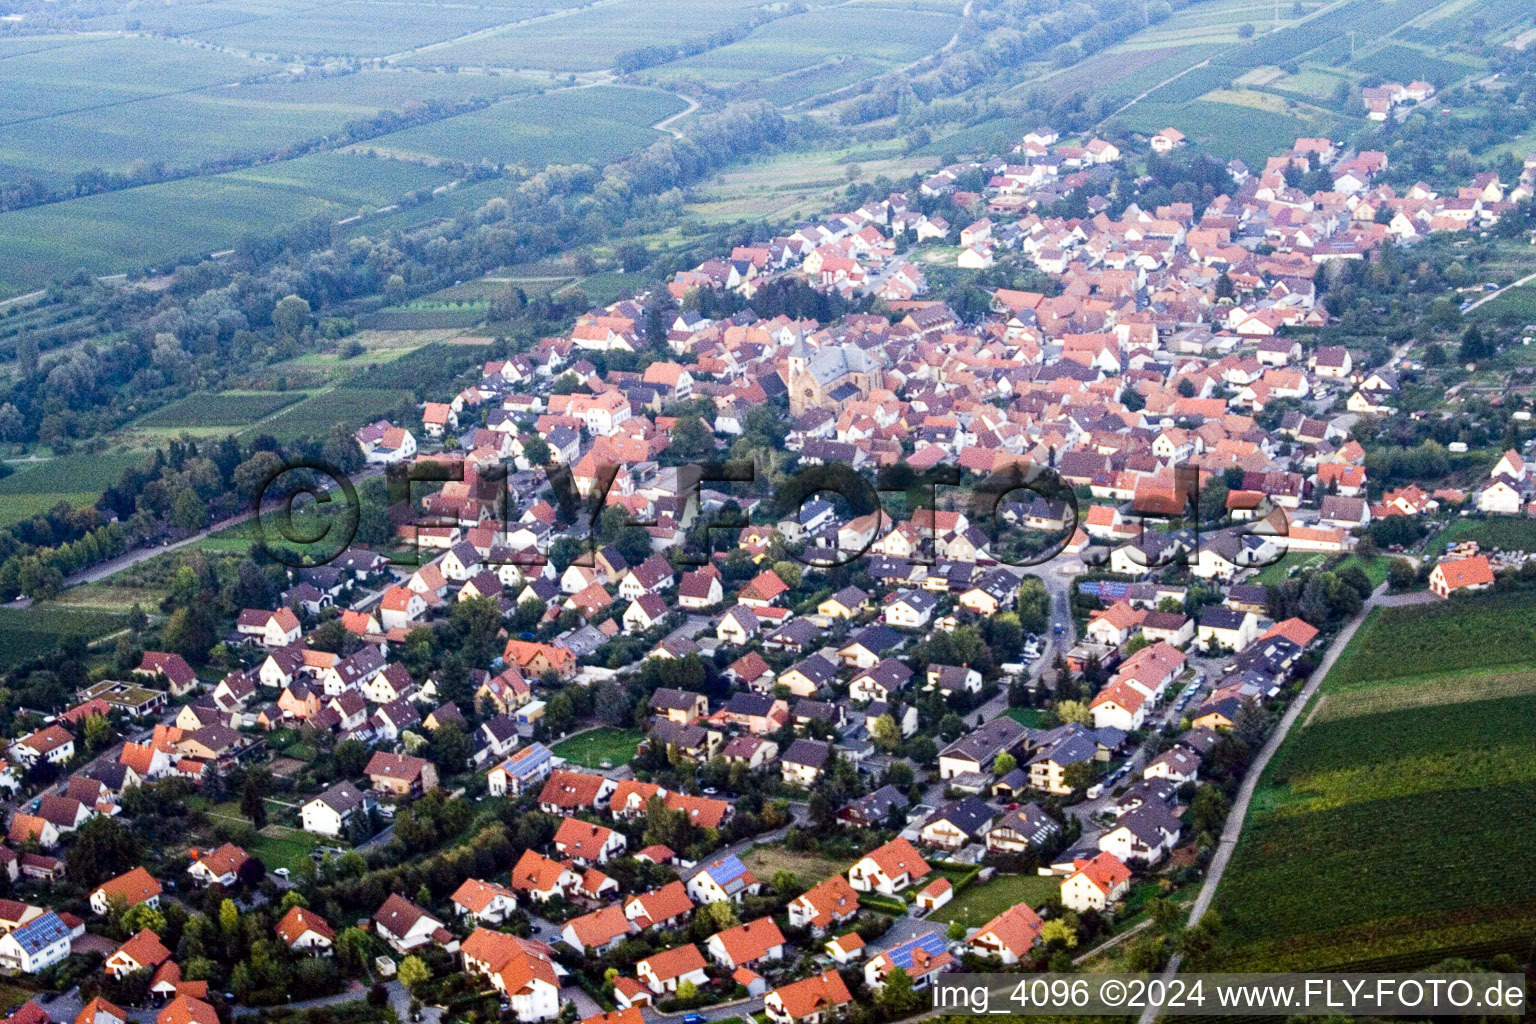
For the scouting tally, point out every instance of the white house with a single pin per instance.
(328, 813)
(36, 945)
(1095, 884)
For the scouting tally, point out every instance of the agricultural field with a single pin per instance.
(1484, 631)
(615, 746)
(538, 130)
(96, 71)
(1516, 305)
(29, 632)
(331, 30)
(318, 413)
(786, 45)
(227, 409)
(591, 38)
(1229, 130)
(155, 224)
(1504, 533)
(1383, 756)
(792, 185)
(35, 487)
(1400, 63)
(980, 902)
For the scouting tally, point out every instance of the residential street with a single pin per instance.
(1234, 825)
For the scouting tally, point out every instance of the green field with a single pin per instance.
(592, 38)
(318, 413)
(1506, 533)
(1517, 304)
(538, 130)
(29, 632)
(99, 70)
(206, 409)
(1405, 64)
(979, 903)
(1386, 832)
(1483, 631)
(332, 29)
(79, 479)
(616, 746)
(289, 848)
(156, 224)
(802, 40)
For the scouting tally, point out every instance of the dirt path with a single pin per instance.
(664, 124)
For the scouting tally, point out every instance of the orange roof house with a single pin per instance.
(807, 1001)
(1473, 573)
(130, 888)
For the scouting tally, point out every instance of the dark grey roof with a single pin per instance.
(968, 815)
(813, 753)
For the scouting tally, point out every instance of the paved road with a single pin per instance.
(1234, 825)
(1527, 279)
(112, 566)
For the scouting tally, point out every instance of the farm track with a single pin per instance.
(1527, 279)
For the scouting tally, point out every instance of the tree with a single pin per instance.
(1401, 575)
(229, 918)
(956, 931)
(692, 442)
(1074, 711)
(136, 918)
(103, 849)
(886, 733)
(1004, 763)
(1078, 776)
(413, 971)
(451, 747)
(897, 996)
(536, 450)
(190, 512)
(1059, 932)
(721, 915)
(189, 632)
(97, 732)
(253, 797)
(290, 316)
(1034, 605)
(632, 256)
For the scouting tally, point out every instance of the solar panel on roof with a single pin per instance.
(727, 869)
(38, 935)
(932, 943)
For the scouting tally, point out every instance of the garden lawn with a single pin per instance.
(809, 869)
(616, 746)
(977, 904)
(287, 850)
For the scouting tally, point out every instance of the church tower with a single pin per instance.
(801, 385)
